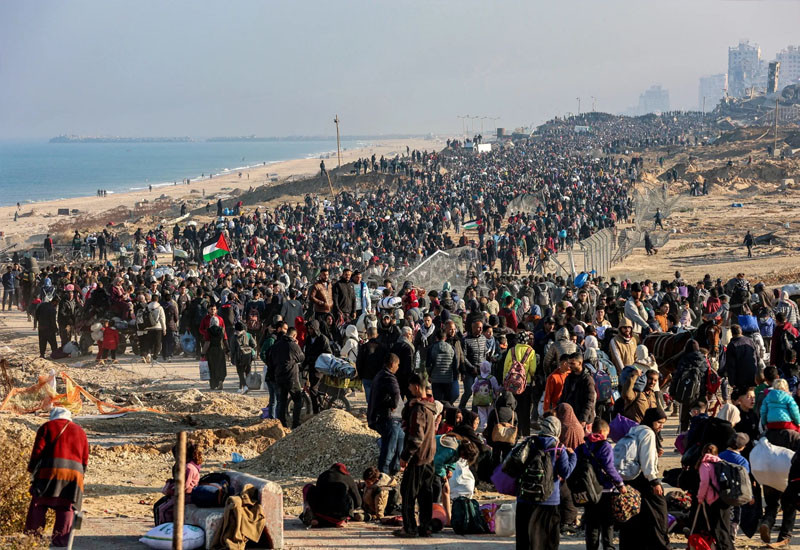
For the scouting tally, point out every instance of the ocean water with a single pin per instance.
(37, 171)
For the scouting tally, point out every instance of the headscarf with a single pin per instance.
(730, 413)
(466, 430)
(60, 413)
(550, 427)
(651, 416)
(572, 431)
(506, 399)
(642, 355)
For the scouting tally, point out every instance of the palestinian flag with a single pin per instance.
(473, 224)
(215, 248)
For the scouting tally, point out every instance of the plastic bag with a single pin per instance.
(205, 373)
(770, 464)
(161, 537)
(462, 484)
(187, 342)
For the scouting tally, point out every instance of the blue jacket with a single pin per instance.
(563, 464)
(779, 406)
(602, 460)
(735, 458)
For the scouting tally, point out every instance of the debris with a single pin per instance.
(331, 436)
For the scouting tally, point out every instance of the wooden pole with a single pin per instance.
(333, 195)
(180, 493)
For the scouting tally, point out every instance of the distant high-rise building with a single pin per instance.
(790, 66)
(712, 88)
(654, 100)
(746, 69)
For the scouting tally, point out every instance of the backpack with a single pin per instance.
(536, 482)
(517, 378)
(626, 457)
(483, 394)
(583, 482)
(713, 381)
(602, 383)
(243, 340)
(734, 483)
(212, 491)
(467, 518)
(146, 318)
(689, 385)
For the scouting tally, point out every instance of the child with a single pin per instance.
(484, 391)
(598, 519)
(733, 454)
(378, 491)
(687, 315)
(698, 417)
(108, 344)
(449, 449)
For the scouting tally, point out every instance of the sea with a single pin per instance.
(33, 171)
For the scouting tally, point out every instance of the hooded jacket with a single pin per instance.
(563, 461)
(285, 358)
(708, 492)
(161, 324)
(420, 442)
(647, 450)
(562, 345)
(602, 460)
(504, 411)
(741, 363)
(779, 406)
(350, 347)
(384, 398)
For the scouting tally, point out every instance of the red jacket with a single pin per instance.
(61, 465)
(110, 338)
(206, 322)
(776, 350)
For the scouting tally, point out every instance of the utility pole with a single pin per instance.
(579, 105)
(594, 103)
(463, 124)
(338, 146)
(704, 107)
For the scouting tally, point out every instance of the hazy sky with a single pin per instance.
(207, 68)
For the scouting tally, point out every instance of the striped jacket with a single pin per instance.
(58, 468)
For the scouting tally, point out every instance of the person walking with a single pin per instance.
(216, 346)
(442, 369)
(474, 355)
(46, 325)
(749, 242)
(651, 523)
(58, 463)
(243, 351)
(9, 290)
(538, 519)
(285, 358)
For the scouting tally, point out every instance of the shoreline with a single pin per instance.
(30, 229)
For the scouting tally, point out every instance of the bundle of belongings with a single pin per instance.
(334, 366)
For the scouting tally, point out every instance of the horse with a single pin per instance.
(667, 347)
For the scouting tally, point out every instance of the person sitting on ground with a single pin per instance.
(163, 509)
(377, 492)
(333, 500)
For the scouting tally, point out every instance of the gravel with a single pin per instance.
(331, 436)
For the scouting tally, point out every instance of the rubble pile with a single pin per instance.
(331, 436)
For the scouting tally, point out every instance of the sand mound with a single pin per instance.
(331, 436)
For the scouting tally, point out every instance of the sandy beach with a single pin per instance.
(32, 229)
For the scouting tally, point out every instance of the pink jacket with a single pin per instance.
(709, 488)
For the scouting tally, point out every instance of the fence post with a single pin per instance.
(180, 494)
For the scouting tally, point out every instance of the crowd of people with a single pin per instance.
(479, 368)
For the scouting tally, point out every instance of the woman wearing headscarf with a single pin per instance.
(650, 524)
(537, 523)
(572, 431)
(504, 412)
(215, 354)
(789, 309)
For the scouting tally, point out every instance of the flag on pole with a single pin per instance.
(215, 248)
(473, 224)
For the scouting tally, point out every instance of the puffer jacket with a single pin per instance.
(441, 364)
(350, 347)
(779, 406)
(709, 488)
(579, 392)
(561, 346)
